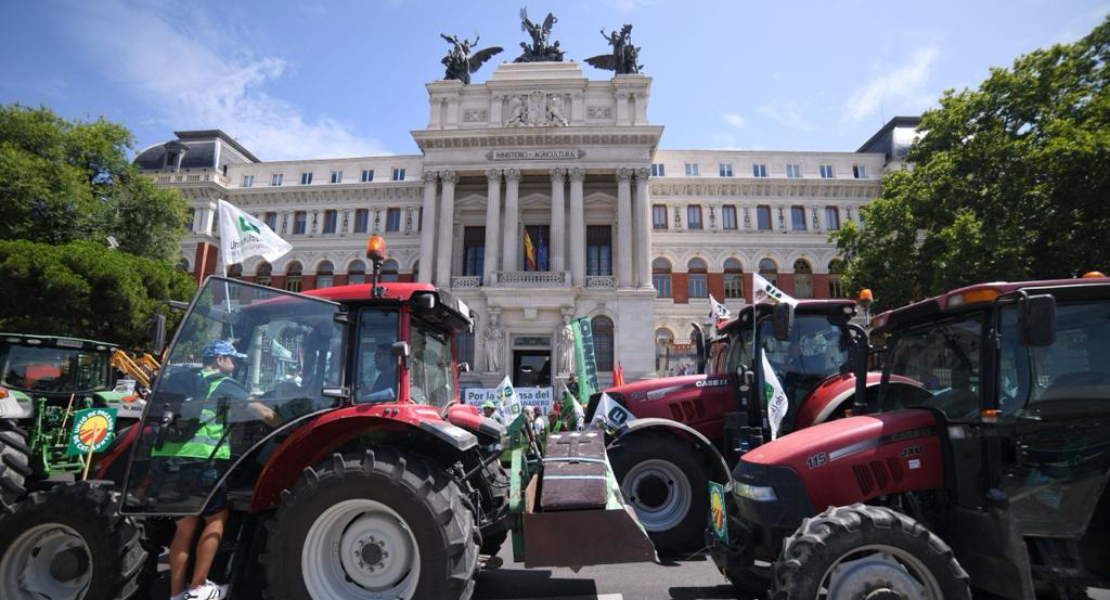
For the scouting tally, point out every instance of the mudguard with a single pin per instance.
(712, 455)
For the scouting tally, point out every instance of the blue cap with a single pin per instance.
(221, 348)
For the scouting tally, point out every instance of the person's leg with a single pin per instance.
(207, 545)
(179, 553)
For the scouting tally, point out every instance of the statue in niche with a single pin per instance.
(566, 347)
(540, 50)
(493, 340)
(625, 57)
(460, 62)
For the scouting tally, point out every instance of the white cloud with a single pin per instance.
(188, 71)
(902, 88)
(787, 114)
(736, 121)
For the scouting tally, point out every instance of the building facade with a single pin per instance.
(537, 197)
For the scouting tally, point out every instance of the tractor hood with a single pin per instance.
(695, 400)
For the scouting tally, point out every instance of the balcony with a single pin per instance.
(467, 282)
(533, 279)
(605, 282)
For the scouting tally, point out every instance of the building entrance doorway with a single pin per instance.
(531, 368)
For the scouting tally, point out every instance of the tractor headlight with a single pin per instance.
(755, 492)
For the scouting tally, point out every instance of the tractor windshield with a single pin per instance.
(944, 358)
(246, 364)
(53, 370)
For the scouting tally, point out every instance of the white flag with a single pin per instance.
(765, 291)
(718, 311)
(610, 413)
(777, 402)
(510, 401)
(242, 236)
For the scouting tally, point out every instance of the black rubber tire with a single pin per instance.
(495, 504)
(15, 464)
(688, 534)
(417, 489)
(822, 540)
(117, 557)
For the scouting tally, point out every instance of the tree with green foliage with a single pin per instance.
(1010, 181)
(64, 181)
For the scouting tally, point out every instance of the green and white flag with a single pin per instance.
(586, 362)
(242, 236)
(510, 402)
(777, 402)
(765, 291)
(609, 414)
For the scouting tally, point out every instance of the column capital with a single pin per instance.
(448, 176)
(493, 175)
(512, 174)
(430, 176)
(577, 174)
(558, 174)
(643, 173)
(624, 174)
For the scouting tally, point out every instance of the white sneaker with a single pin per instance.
(208, 591)
(180, 596)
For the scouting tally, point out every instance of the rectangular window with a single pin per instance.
(659, 216)
(393, 219)
(725, 169)
(832, 218)
(398, 174)
(691, 169)
(827, 172)
(734, 285)
(599, 250)
(538, 237)
(271, 220)
(798, 218)
(464, 348)
(728, 217)
(306, 178)
(657, 170)
(693, 216)
(337, 176)
(794, 171)
(367, 175)
(300, 222)
(248, 181)
(362, 220)
(859, 171)
(662, 283)
(331, 218)
(275, 179)
(759, 170)
(763, 217)
(190, 219)
(696, 285)
(474, 251)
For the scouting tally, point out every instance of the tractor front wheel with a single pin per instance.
(15, 464)
(373, 524)
(862, 551)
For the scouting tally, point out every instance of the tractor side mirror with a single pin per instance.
(424, 302)
(697, 339)
(157, 334)
(745, 378)
(782, 319)
(403, 351)
(1037, 321)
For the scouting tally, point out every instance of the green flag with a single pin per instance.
(587, 365)
(91, 427)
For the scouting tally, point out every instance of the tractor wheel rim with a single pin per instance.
(360, 549)
(879, 572)
(660, 492)
(28, 570)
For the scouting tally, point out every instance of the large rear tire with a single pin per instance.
(69, 543)
(15, 464)
(379, 522)
(862, 551)
(667, 483)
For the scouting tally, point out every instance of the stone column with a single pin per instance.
(643, 229)
(577, 229)
(509, 250)
(428, 228)
(446, 228)
(493, 225)
(624, 228)
(556, 253)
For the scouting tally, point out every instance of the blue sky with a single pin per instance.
(326, 78)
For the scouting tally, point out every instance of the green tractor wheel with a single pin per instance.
(15, 464)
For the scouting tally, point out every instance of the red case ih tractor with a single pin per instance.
(349, 467)
(690, 430)
(990, 471)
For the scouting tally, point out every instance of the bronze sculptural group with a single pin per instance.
(460, 62)
(540, 50)
(624, 59)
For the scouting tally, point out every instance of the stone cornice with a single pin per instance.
(782, 188)
(338, 194)
(640, 135)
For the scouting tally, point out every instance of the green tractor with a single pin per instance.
(44, 381)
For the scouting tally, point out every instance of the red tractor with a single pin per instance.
(690, 430)
(990, 471)
(349, 466)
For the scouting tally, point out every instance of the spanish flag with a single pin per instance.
(529, 252)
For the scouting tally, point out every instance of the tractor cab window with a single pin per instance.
(942, 359)
(46, 369)
(247, 363)
(377, 365)
(432, 376)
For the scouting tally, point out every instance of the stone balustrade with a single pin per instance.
(533, 279)
(469, 282)
(604, 282)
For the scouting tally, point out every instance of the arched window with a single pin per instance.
(183, 265)
(325, 274)
(235, 270)
(661, 277)
(602, 327)
(664, 342)
(389, 270)
(696, 281)
(416, 270)
(356, 273)
(264, 273)
(836, 270)
(293, 277)
(769, 270)
(803, 279)
(734, 279)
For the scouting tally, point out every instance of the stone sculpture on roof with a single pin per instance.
(625, 57)
(540, 50)
(460, 62)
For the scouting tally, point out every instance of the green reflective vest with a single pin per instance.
(207, 442)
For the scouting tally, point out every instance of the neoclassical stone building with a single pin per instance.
(538, 196)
